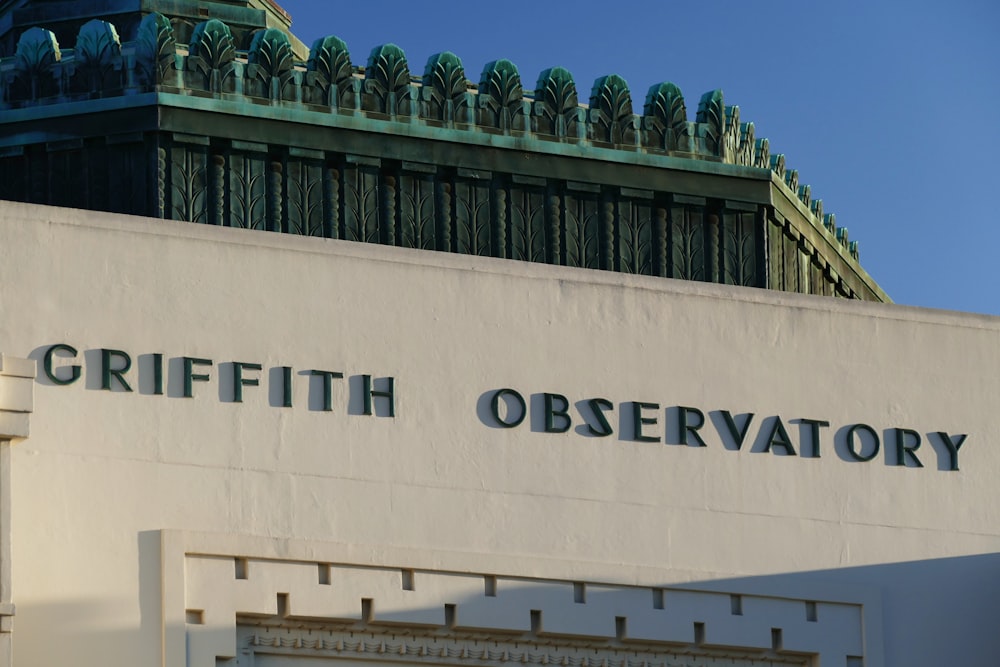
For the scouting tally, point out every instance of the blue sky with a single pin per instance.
(889, 110)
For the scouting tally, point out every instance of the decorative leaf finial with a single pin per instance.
(792, 180)
(213, 42)
(712, 117)
(778, 165)
(762, 154)
(556, 94)
(270, 60)
(155, 47)
(501, 95)
(212, 52)
(271, 50)
(817, 208)
(37, 53)
(611, 110)
(666, 116)
(388, 77)
(747, 145)
(330, 61)
(446, 86)
(98, 51)
(37, 50)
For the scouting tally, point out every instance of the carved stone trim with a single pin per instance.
(215, 587)
(17, 386)
(421, 646)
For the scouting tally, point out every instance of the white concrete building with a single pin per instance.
(505, 391)
(786, 479)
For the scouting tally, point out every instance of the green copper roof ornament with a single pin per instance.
(762, 153)
(211, 52)
(792, 180)
(777, 164)
(557, 103)
(817, 208)
(665, 117)
(501, 97)
(270, 62)
(712, 118)
(731, 135)
(98, 59)
(747, 144)
(332, 72)
(388, 78)
(805, 194)
(37, 53)
(155, 48)
(611, 111)
(446, 89)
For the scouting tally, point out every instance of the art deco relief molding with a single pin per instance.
(424, 647)
(227, 599)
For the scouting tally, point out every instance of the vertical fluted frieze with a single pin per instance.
(274, 194)
(388, 212)
(443, 207)
(554, 214)
(607, 245)
(499, 219)
(331, 203)
(660, 242)
(216, 190)
(161, 183)
(712, 254)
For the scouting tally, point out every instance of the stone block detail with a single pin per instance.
(239, 607)
(17, 387)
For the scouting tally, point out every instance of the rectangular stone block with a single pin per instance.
(13, 425)
(16, 394)
(17, 367)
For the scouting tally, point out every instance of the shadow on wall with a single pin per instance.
(934, 612)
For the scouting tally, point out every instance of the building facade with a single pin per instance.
(220, 446)
(182, 115)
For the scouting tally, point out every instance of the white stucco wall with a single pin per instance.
(103, 471)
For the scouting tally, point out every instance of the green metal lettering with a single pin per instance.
(370, 393)
(851, 445)
(904, 452)
(953, 446)
(286, 386)
(738, 435)
(327, 386)
(239, 381)
(157, 374)
(597, 408)
(638, 421)
(495, 407)
(812, 426)
(47, 365)
(778, 437)
(117, 373)
(190, 376)
(551, 412)
(684, 429)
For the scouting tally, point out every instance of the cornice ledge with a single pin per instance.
(17, 387)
